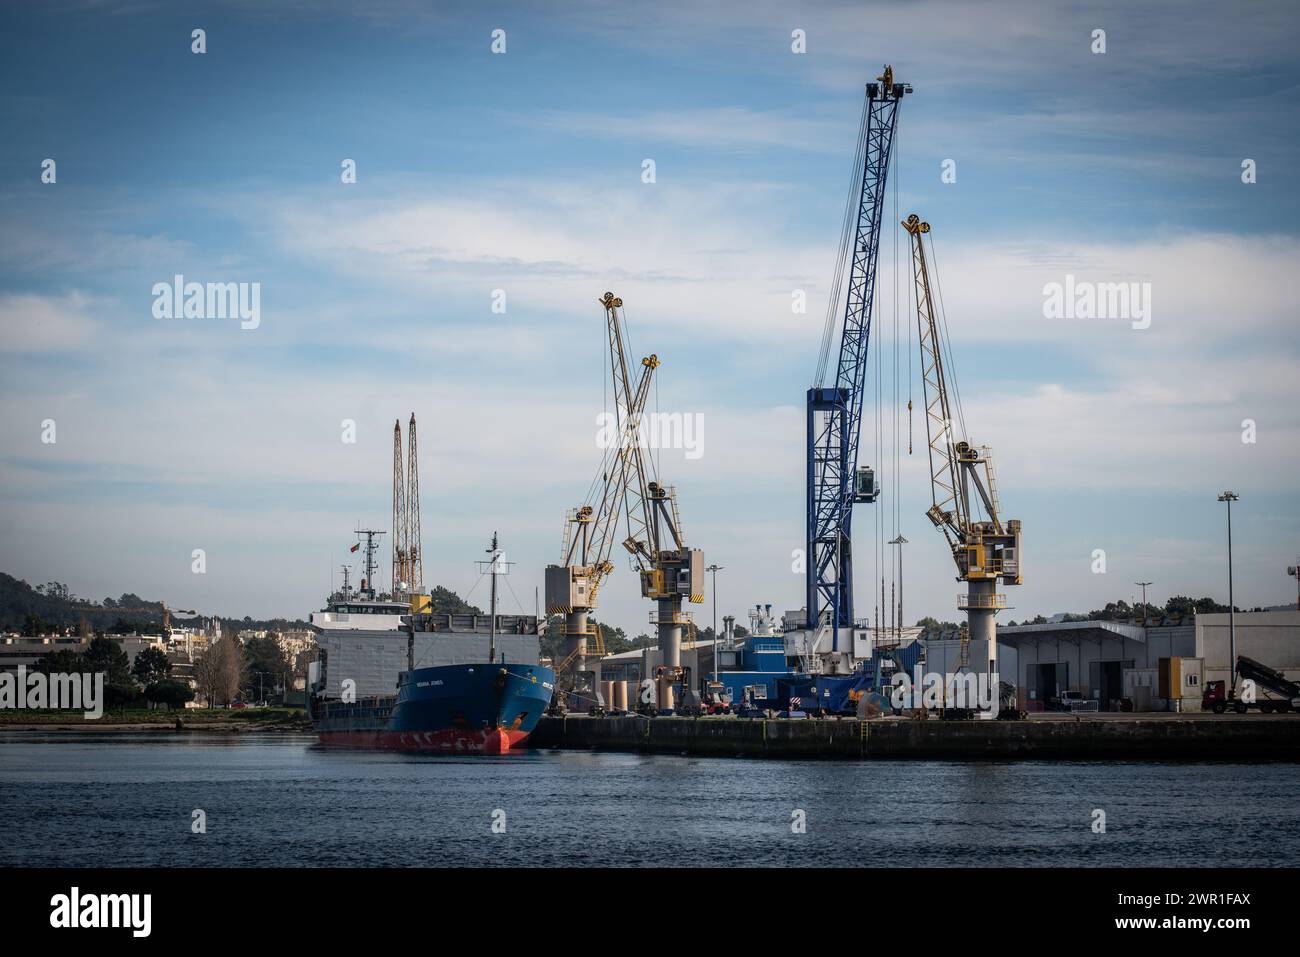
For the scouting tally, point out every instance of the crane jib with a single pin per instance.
(835, 413)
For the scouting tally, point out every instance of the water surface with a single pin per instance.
(128, 800)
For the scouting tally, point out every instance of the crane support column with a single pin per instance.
(670, 646)
(575, 644)
(981, 620)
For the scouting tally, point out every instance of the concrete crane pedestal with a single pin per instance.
(669, 621)
(981, 606)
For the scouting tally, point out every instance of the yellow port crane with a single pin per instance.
(985, 549)
(589, 530)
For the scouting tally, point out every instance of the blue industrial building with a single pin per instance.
(754, 664)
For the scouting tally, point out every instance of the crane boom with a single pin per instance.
(589, 531)
(592, 547)
(835, 482)
(632, 494)
(983, 549)
(945, 502)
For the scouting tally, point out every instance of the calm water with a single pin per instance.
(276, 800)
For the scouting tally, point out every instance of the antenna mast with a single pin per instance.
(414, 553)
(399, 511)
(371, 546)
(495, 566)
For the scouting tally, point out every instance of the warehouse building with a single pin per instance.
(1125, 665)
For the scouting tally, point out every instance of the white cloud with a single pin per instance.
(1206, 289)
(34, 324)
(724, 127)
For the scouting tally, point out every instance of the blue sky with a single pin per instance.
(522, 172)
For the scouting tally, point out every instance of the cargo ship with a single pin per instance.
(390, 674)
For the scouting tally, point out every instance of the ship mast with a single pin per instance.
(368, 582)
(495, 567)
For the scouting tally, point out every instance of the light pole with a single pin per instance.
(1144, 600)
(715, 568)
(1229, 498)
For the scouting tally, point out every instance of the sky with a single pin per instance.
(522, 172)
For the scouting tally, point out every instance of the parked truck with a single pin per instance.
(1073, 702)
(1280, 693)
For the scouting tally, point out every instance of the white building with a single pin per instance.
(1107, 660)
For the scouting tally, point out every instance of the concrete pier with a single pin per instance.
(1096, 737)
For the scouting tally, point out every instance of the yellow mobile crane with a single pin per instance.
(984, 549)
(572, 585)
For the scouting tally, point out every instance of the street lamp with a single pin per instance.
(1144, 601)
(715, 568)
(1229, 498)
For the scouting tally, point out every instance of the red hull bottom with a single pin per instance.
(495, 741)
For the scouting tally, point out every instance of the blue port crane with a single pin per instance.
(835, 482)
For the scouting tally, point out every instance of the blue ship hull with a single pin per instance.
(479, 708)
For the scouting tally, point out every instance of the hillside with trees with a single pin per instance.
(40, 609)
(1177, 608)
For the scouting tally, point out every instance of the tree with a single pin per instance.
(266, 664)
(60, 663)
(107, 656)
(207, 675)
(172, 693)
(219, 671)
(1114, 611)
(34, 626)
(232, 672)
(615, 639)
(552, 639)
(230, 628)
(120, 696)
(553, 643)
(151, 665)
(1180, 606)
(447, 602)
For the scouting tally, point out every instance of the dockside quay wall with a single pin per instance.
(1200, 737)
